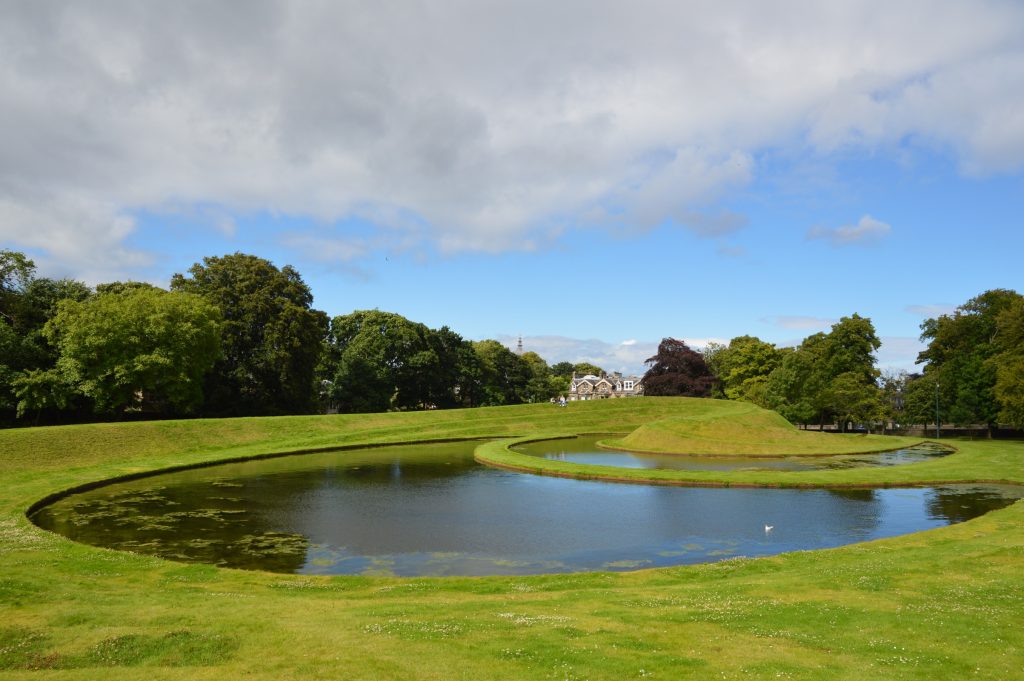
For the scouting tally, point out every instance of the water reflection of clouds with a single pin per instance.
(444, 514)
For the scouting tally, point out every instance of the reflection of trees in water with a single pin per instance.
(408, 472)
(958, 505)
(854, 494)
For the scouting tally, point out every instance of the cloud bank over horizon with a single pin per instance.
(897, 353)
(467, 126)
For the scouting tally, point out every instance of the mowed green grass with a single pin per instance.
(718, 427)
(943, 604)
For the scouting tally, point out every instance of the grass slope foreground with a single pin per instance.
(943, 604)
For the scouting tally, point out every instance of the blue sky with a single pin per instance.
(592, 176)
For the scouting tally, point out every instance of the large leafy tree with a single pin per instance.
(743, 367)
(850, 392)
(1009, 364)
(271, 336)
(544, 384)
(850, 347)
(504, 375)
(851, 399)
(382, 361)
(919, 400)
(16, 272)
(961, 357)
(142, 349)
(677, 370)
(794, 386)
(458, 373)
(26, 304)
(829, 377)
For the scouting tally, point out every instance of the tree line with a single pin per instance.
(237, 336)
(828, 378)
(972, 374)
(234, 336)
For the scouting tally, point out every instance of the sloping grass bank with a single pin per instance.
(719, 427)
(942, 604)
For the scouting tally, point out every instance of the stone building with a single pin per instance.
(602, 387)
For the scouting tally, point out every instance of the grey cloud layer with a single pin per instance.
(470, 125)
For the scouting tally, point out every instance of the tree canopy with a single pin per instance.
(139, 349)
(271, 337)
(236, 335)
(829, 377)
(382, 361)
(677, 370)
(965, 353)
(743, 367)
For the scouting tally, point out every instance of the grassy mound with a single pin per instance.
(718, 427)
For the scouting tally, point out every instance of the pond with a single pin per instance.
(432, 510)
(585, 450)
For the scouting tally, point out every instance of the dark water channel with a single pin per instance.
(585, 450)
(431, 510)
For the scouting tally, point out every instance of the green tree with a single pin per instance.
(504, 374)
(142, 349)
(1009, 364)
(39, 306)
(850, 346)
(16, 271)
(919, 400)
(712, 354)
(457, 377)
(587, 369)
(794, 385)
(829, 377)
(384, 361)
(852, 400)
(26, 304)
(849, 381)
(743, 368)
(960, 353)
(271, 337)
(543, 384)
(893, 388)
(562, 369)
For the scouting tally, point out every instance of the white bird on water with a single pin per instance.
(768, 528)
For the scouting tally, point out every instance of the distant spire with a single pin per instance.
(519, 346)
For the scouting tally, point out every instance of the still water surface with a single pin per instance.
(585, 450)
(431, 510)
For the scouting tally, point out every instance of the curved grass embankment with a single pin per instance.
(718, 427)
(934, 605)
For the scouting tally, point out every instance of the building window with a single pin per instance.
(627, 385)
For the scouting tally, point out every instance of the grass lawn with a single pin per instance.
(943, 604)
(717, 427)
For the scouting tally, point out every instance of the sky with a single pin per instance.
(592, 176)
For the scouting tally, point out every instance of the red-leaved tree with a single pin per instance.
(677, 371)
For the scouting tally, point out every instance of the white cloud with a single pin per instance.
(899, 352)
(468, 125)
(626, 357)
(931, 311)
(867, 231)
(802, 322)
